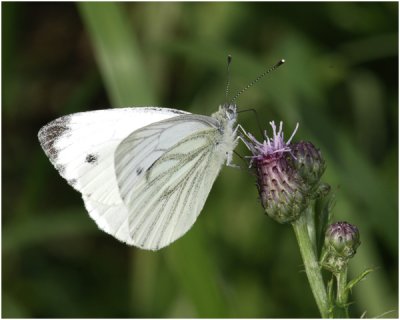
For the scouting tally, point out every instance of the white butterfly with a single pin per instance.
(144, 173)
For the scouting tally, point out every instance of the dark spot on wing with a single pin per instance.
(91, 158)
(51, 133)
(139, 171)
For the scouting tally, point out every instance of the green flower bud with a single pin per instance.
(343, 239)
(308, 161)
(341, 242)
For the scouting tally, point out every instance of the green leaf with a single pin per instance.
(330, 292)
(362, 276)
(323, 216)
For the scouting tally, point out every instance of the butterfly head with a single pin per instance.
(226, 116)
(226, 113)
(230, 111)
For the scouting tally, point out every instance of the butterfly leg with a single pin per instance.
(238, 132)
(229, 161)
(243, 136)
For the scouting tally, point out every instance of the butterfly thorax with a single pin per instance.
(226, 117)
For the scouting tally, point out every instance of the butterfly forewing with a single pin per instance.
(165, 194)
(81, 146)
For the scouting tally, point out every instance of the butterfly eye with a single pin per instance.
(230, 111)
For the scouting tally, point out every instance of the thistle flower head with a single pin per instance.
(279, 184)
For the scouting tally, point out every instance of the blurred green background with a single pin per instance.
(340, 83)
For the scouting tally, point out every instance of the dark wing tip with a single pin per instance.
(50, 133)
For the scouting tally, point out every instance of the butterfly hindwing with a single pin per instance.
(165, 172)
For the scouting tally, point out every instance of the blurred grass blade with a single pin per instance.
(125, 76)
(11, 308)
(43, 228)
(117, 53)
(369, 189)
(190, 260)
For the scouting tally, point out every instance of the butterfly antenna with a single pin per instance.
(228, 76)
(273, 68)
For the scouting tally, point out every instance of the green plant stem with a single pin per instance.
(341, 310)
(311, 265)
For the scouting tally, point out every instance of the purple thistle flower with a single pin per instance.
(279, 184)
(287, 174)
